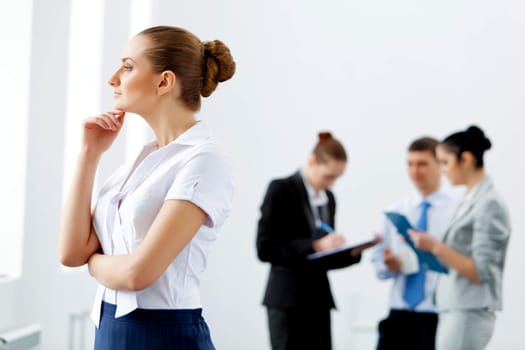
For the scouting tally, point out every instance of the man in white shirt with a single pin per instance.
(412, 320)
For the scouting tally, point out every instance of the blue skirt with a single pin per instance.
(152, 329)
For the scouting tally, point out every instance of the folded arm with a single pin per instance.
(175, 225)
(77, 239)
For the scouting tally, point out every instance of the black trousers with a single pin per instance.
(300, 328)
(408, 330)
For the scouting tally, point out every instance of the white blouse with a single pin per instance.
(189, 168)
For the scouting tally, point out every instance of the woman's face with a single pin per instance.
(134, 82)
(450, 166)
(323, 175)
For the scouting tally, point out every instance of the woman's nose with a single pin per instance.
(113, 80)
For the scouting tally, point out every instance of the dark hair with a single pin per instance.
(328, 148)
(472, 140)
(424, 144)
(199, 66)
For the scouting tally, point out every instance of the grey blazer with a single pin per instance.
(480, 230)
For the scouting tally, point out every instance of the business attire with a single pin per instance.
(167, 314)
(411, 324)
(298, 295)
(480, 229)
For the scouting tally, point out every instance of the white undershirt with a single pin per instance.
(316, 199)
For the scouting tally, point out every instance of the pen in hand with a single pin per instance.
(325, 227)
(329, 241)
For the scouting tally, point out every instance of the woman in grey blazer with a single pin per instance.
(473, 247)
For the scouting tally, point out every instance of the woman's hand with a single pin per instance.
(100, 131)
(424, 241)
(465, 265)
(329, 241)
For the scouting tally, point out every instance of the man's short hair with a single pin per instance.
(424, 144)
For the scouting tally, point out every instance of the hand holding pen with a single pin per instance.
(330, 241)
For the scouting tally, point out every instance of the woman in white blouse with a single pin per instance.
(146, 241)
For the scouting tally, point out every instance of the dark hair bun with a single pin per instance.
(325, 136)
(478, 137)
(219, 65)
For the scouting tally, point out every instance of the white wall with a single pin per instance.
(376, 73)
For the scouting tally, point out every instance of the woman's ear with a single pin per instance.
(312, 161)
(467, 158)
(166, 83)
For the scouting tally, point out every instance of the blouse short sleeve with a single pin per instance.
(206, 180)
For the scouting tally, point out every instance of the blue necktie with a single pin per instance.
(415, 283)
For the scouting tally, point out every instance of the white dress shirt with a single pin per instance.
(442, 206)
(189, 168)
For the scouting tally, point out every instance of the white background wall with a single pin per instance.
(376, 73)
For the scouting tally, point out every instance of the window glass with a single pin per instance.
(15, 17)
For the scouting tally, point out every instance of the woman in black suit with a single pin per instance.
(296, 216)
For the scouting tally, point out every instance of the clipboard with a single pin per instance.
(351, 248)
(426, 259)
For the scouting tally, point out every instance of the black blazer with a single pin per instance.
(284, 239)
